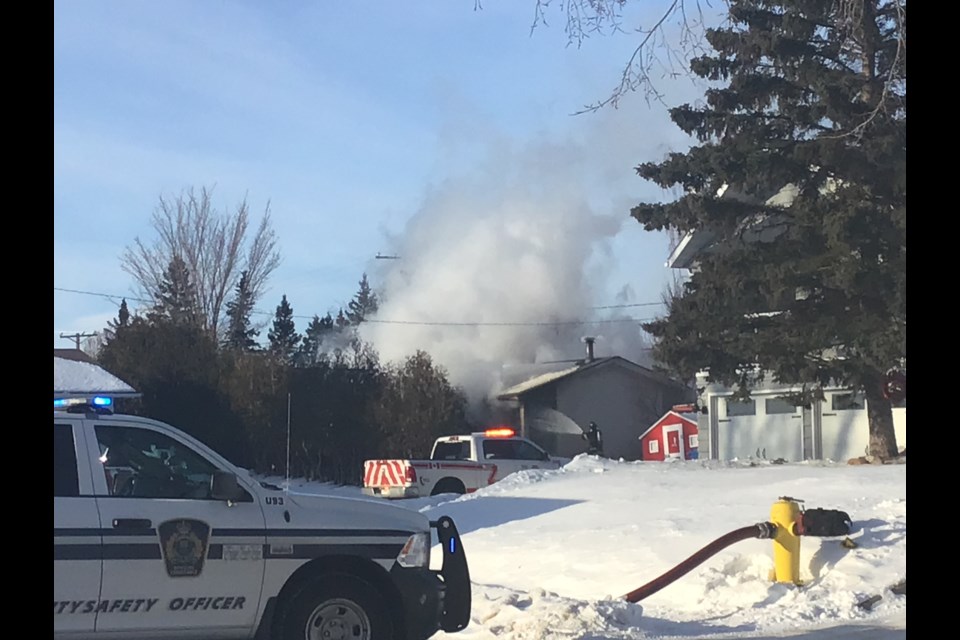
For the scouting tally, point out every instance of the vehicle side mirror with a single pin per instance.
(224, 486)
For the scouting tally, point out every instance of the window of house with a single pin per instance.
(65, 483)
(654, 446)
(846, 402)
(693, 441)
(741, 408)
(778, 405)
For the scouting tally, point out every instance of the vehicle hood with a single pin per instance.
(353, 513)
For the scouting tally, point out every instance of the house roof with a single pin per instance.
(691, 417)
(685, 253)
(761, 227)
(72, 378)
(536, 382)
(78, 355)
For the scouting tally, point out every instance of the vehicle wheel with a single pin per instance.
(448, 485)
(336, 606)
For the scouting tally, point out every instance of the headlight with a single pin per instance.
(416, 551)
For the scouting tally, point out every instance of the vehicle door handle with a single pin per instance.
(131, 523)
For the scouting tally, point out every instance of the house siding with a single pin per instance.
(622, 403)
(822, 431)
(671, 420)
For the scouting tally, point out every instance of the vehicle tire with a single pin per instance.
(336, 606)
(448, 485)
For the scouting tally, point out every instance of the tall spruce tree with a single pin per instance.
(120, 323)
(807, 287)
(240, 334)
(363, 304)
(176, 299)
(283, 334)
(311, 347)
(341, 321)
(122, 319)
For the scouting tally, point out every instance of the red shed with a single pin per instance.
(672, 436)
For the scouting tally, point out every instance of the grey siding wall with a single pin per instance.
(622, 402)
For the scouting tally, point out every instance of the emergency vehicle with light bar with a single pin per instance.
(457, 464)
(156, 536)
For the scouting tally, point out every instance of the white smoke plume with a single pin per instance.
(492, 259)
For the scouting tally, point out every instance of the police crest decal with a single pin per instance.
(184, 546)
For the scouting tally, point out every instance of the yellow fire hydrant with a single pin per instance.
(785, 513)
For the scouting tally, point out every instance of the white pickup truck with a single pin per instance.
(157, 536)
(457, 464)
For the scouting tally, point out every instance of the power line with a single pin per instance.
(427, 323)
(108, 296)
(507, 324)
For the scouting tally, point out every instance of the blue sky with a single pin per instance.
(360, 127)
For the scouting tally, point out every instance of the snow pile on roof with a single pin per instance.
(81, 378)
(536, 382)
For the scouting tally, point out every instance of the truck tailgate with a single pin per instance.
(386, 473)
(391, 479)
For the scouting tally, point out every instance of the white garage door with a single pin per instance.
(764, 427)
(844, 429)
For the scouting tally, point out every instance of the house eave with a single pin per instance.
(516, 392)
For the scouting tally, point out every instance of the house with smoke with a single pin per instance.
(555, 406)
(768, 426)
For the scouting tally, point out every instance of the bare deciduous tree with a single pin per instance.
(664, 49)
(217, 247)
(677, 34)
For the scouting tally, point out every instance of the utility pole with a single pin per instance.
(76, 337)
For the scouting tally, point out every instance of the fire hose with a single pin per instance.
(762, 530)
(787, 523)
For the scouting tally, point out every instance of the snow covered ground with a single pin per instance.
(552, 552)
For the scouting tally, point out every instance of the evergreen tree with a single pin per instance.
(122, 320)
(176, 368)
(311, 348)
(326, 325)
(176, 299)
(342, 322)
(363, 304)
(416, 405)
(117, 325)
(283, 334)
(240, 334)
(800, 175)
(123, 316)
